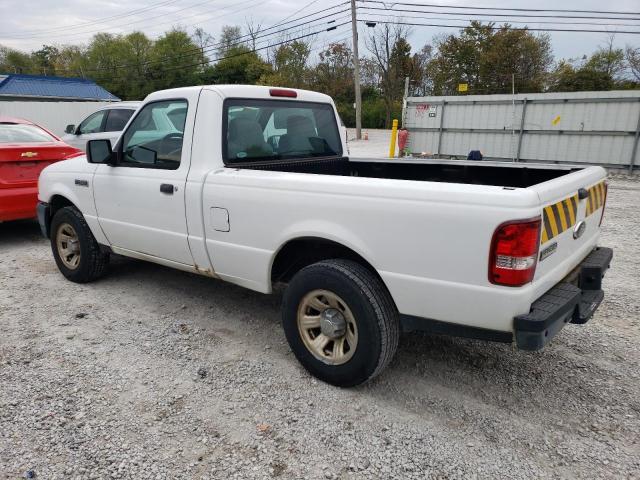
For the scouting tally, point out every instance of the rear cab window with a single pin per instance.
(265, 130)
(23, 133)
(117, 119)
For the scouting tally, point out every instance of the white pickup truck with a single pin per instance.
(252, 185)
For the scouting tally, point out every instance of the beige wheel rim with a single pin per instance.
(327, 327)
(68, 246)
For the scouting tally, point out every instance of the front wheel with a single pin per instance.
(340, 322)
(74, 247)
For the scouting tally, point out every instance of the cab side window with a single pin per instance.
(154, 137)
(93, 123)
(117, 119)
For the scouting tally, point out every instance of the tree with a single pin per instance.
(254, 31)
(106, 56)
(71, 60)
(44, 59)
(203, 40)
(603, 70)
(289, 65)
(568, 77)
(14, 61)
(607, 60)
(241, 66)
(229, 38)
(421, 82)
(486, 59)
(333, 75)
(176, 60)
(632, 56)
(123, 64)
(391, 52)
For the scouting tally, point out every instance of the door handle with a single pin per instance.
(167, 188)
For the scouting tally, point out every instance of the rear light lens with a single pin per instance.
(283, 92)
(514, 252)
(604, 202)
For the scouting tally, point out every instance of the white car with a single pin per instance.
(106, 123)
(250, 185)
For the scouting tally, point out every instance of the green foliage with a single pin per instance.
(229, 38)
(391, 63)
(45, 58)
(289, 66)
(333, 74)
(14, 61)
(176, 60)
(567, 78)
(603, 70)
(131, 66)
(486, 59)
(242, 66)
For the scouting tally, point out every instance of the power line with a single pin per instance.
(541, 22)
(506, 15)
(144, 20)
(299, 10)
(436, 5)
(256, 49)
(500, 28)
(101, 20)
(215, 46)
(212, 47)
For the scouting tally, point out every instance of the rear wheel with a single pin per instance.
(74, 247)
(340, 322)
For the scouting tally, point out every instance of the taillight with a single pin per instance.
(604, 202)
(514, 252)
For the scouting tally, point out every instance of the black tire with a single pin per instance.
(374, 311)
(93, 262)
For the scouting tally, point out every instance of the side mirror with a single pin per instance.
(70, 129)
(99, 151)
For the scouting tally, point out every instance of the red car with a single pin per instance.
(25, 149)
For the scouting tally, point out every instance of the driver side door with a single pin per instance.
(141, 200)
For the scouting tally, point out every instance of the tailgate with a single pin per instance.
(572, 207)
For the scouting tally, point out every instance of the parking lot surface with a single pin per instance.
(155, 373)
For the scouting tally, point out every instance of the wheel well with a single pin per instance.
(57, 202)
(299, 253)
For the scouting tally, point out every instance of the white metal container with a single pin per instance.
(580, 127)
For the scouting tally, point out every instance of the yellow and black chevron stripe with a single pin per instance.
(559, 217)
(597, 195)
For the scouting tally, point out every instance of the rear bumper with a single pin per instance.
(18, 203)
(574, 300)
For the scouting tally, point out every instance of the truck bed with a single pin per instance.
(516, 175)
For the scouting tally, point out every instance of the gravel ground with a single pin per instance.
(155, 373)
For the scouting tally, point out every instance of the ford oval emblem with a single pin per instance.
(579, 229)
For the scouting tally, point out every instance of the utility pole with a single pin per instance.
(404, 99)
(356, 70)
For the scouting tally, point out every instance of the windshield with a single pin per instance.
(279, 129)
(23, 133)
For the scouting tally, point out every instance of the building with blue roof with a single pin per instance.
(45, 88)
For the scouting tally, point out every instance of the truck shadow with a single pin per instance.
(19, 231)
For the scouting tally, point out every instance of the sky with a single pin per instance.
(27, 25)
